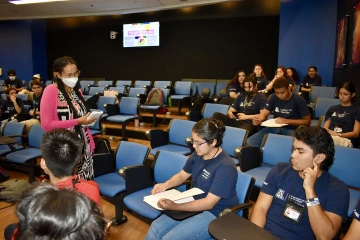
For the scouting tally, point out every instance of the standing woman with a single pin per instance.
(343, 120)
(63, 106)
(212, 170)
(310, 79)
(280, 72)
(236, 85)
(260, 77)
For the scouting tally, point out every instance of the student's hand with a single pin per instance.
(256, 121)
(31, 112)
(331, 132)
(13, 98)
(166, 204)
(231, 115)
(309, 175)
(160, 187)
(84, 121)
(280, 120)
(242, 116)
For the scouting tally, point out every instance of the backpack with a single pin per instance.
(155, 98)
(102, 146)
(11, 190)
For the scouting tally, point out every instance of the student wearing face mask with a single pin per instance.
(12, 81)
(244, 108)
(63, 106)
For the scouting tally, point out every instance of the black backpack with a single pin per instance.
(102, 146)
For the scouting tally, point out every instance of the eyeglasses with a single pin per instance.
(344, 94)
(75, 74)
(196, 143)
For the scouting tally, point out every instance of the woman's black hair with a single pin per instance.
(350, 87)
(59, 66)
(8, 92)
(313, 67)
(235, 79)
(210, 129)
(295, 75)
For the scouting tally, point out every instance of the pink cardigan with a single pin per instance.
(49, 117)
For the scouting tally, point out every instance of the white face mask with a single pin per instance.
(12, 77)
(71, 82)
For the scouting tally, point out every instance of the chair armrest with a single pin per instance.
(112, 109)
(103, 163)
(142, 97)
(137, 177)
(158, 138)
(249, 157)
(236, 208)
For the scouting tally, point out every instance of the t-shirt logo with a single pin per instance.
(241, 104)
(205, 174)
(356, 213)
(277, 109)
(280, 194)
(334, 114)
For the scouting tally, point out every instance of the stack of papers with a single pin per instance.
(272, 123)
(173, 195)
(94, 114)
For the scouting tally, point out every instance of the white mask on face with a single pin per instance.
(71, 82)
(12, 77)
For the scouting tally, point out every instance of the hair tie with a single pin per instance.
(216, 125)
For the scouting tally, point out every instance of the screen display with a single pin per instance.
(141, 34)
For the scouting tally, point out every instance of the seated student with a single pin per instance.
(310, 79)
(236, 85)
(12, 81)
(37, 90)
(46, 212)
(288, 109)
(260, 77)
(61, 151)
(12, 105)
(36, 78)
(244, 108)
(354, 231)
(280, 73)
(291, 72)
(213, 171)
(343, 120)
(301, 199)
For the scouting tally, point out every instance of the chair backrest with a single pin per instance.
(210, 108)
(2, 82)
(135, 91)
(179, 130)
(276, 148)
(161, 84)
(244, 186)
(119, 89)
(167, 164)
(233, 138)
(120, 83)
(105, 100)
(85, 83)
(105, 83)
(321, 105)
(129, 105)
(23, 97)
(219, 86)
(48, 82)
(94, 90)
(3, 95)
(346, 165)
(35, 135)
(183, 88)
(26, 109)
(142, 83)
(319, 91)
(296, 89)
(204, 85)
(14, 128)
(130, 153)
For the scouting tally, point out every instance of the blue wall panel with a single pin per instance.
(307, 36)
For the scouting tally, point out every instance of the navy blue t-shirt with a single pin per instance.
(217, 176)
(261, 82)
(283, 183)
(9, 107)
(294, 108)
(236, 88)
(36, 102)
(250, 105)
(307, 82)
(17, 83)
(357, 211)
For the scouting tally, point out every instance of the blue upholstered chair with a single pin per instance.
(23, 97)
(119, 89)
(105, 83)
(155, 108)
(162, 84)
(48, 82)
(142, 83)
(321, 105)
(210, 108)
(320, 91)
(29, 155)
(166, 164)
(121, 83)
(219, 86)
(234, 138)
(128, 110)
(203, 85)
(182, 92)
(257, 162)
(15, 130)
(346, 167)
(96, 90)
(86, 84)
(172, 140)
(112, 185)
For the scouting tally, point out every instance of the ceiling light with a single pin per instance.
(19, 2)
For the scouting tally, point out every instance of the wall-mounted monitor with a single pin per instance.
(141, 34)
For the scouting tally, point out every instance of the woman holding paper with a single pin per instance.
(211, 170)
(63, 106)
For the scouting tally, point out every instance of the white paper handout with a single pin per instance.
(173, 195)
(94, 114)
(272, 123)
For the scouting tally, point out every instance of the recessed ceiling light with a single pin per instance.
(19, 2)
(183, 0)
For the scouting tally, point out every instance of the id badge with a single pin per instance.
(293, 211)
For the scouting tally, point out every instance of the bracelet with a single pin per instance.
(312, 202)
